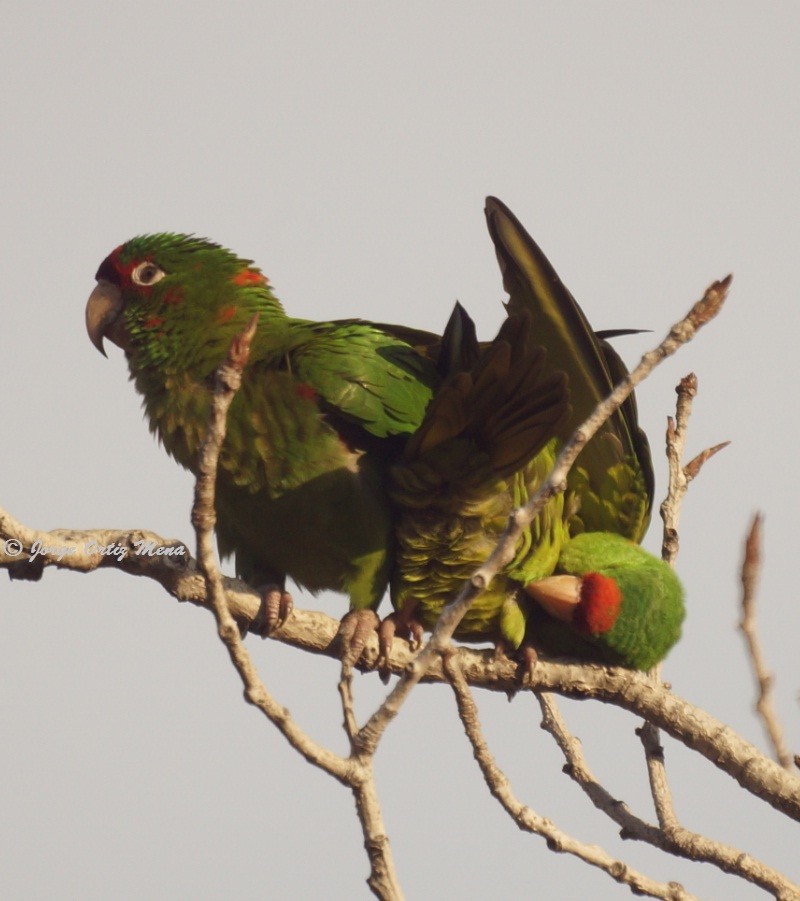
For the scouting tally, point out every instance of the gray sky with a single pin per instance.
(347, 148)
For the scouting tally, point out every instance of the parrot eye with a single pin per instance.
(147, 274)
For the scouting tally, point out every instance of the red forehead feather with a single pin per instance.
(600, 604)
(114, 270)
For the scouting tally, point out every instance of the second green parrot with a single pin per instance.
(489, 439)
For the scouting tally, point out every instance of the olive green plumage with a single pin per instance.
(486, 438)
(650, 617)
(489, 440)
(322, 409)
(612, 479)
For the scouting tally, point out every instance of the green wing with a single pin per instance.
(369, 378)
(486, 442)
(614, 476)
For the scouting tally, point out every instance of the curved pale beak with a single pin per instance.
(103, 315)
(559, 595)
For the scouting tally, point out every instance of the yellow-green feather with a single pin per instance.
(484, 446)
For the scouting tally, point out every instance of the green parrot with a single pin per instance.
(323, 409)
(609, 601)
(489, 439)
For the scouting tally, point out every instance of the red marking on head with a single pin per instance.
(599, 605)
(114, 270)
(249, 277)
(173, 296)
(306, 391)
(154, 322)
(225, 315)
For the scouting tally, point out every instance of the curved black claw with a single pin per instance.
(277, 605)
(354, 631)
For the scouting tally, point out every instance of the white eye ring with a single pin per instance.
(146, 274)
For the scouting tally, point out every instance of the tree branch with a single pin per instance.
(751, 567)
(670, 837)
(670, 513)
(529, 820)
(228, 379)
(315, 632)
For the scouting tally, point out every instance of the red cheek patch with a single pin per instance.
(154, 322)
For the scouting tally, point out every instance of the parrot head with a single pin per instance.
(608, 590)
(174, 300)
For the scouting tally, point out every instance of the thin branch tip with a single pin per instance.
(711, 303)
(693, 467)
(687, 385)
(751, 571)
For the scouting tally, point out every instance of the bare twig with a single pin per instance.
(679, 475)
(693, 467)
(751, 567)
(670, 513)
(678, 483)
(669, 837)
(348, 712)
(578, 770)
(679, 478)
(203, 519)
(657, 775)
(528, 820)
